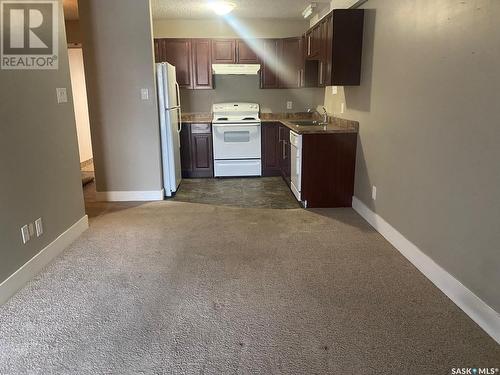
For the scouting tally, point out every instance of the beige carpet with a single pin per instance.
(179, 288)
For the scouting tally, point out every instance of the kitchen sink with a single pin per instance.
(307, 123)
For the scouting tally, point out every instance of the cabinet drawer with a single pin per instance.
(200, 129)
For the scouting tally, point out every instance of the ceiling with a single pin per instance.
(284, 9)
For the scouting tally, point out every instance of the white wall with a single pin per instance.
(429, 129)
(218, 28)
(80, 102)
(39, 166)
(119, 63)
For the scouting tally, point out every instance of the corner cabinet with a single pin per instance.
(276, 150)
(292, 59)
(196, 150)
(283, 68)
(270, 68)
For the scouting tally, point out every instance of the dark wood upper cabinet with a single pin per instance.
(314, 46)
(328, 48)
(157, 49)
(328, 54)
(178, 53)
(270, 65)
(347, 45)
(291, 63)
(224, 51)
(334, 46)
(202, 63)
(308, 44)
(245, 53)
(323, 56)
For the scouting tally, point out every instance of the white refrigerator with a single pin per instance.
(170, 126)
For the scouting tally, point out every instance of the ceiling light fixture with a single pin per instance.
(309, 10)
(221, 7)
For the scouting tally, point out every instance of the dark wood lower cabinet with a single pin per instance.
(197, 150)
(285, 150)
(328, 165)
(328, 160)
(270, 149)
(276, 150)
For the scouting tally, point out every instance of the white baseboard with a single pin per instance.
(130, 196)
(32, 267)
(485, 316)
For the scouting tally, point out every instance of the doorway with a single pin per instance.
(79, 90)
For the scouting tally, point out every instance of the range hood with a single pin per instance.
(239, 69)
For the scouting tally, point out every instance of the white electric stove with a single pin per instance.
(236, 139)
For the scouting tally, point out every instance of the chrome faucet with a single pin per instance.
(324, 114)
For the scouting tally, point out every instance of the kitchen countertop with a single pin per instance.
(336, 124)
(190, 118)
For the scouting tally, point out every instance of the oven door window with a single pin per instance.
(236, 141)
(237, 136)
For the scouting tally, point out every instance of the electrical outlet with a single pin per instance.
(25, 233)
(144, 94)
(342, 107)
(289, 105)
(374, 192)
(31, 229)
(334, 90)
(39, 227)
(62, 95)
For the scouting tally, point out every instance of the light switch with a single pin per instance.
(39, 227)
(62, 95)
(25, 233)
(144, 94)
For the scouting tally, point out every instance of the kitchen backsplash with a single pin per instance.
(239, 88)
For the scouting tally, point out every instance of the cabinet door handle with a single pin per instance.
(299, 76)
(321, 72)
(309, 45)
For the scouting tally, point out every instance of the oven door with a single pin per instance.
(236, 141)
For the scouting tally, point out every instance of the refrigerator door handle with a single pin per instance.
(179, 124)
(178, 94)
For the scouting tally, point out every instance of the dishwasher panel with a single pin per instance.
(296, 164)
